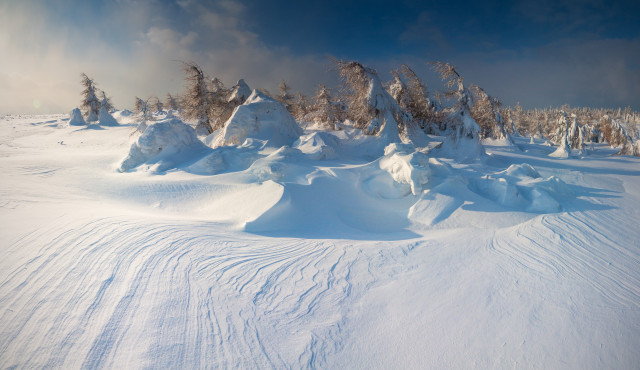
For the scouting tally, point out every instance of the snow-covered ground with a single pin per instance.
(334, 252)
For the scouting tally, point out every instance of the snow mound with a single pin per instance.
(318, 145)
(521, 171)
(406, 166)
(226, 159)
(522, 187)
(75, 118)
(262, 118)
(105, 118)
(164, 144)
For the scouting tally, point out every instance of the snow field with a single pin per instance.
(318, 254)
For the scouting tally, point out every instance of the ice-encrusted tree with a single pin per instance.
(370, 106)
(90, 102)
(196, 100)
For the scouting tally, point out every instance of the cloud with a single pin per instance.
(132, 49)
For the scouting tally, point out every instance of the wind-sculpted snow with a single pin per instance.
(323, 254)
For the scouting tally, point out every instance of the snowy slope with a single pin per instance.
(290, 258)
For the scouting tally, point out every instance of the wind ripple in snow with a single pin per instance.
(113, 293)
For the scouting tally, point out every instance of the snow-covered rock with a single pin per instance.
(262, 118)
(75, 118)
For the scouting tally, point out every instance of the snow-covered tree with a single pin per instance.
(370, 106)
(576, 138)
(90, 102)
(239, 93)
(105, 101)
(171, 102)
(142, 108)
(301, 107)
(562, 137)
(285, 97)
(419, 105)
(325, 112)
(486, 112)
(196, 100)
(155, 104)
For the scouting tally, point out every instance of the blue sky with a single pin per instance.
(542, 53)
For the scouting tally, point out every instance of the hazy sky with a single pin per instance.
(538, 53)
